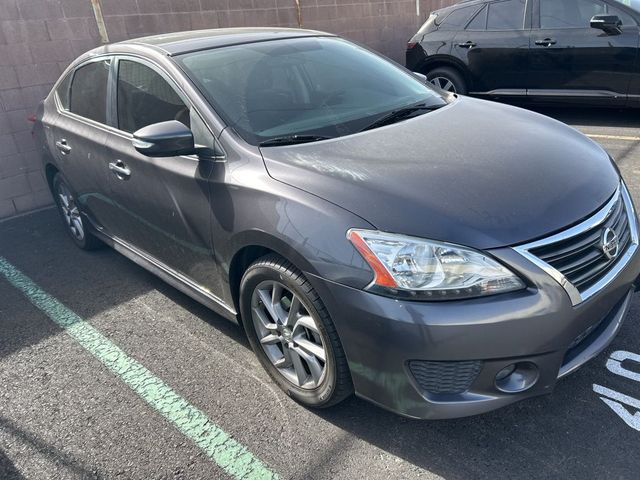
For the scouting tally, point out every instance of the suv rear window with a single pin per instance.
(458, 19)
(507, 15)
(88, 93)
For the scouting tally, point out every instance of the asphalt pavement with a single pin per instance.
(69, 408)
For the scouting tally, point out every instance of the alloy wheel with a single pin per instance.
(70, 212)
(288, 334)
(444, 83)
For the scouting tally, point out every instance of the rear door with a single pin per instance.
(569, 59)
(162, 206)
(80, 133)
(495, 47)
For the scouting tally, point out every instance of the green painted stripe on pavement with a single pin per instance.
(230, 455)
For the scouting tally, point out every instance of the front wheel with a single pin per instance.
(292, 334)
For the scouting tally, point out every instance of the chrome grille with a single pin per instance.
(576, 257)
(581, 259)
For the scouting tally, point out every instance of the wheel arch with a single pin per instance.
(439, 61)
(252, 245)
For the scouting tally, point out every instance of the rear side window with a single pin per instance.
(88, 93)
(507, 15)
(145, 97)
(479, 22)
(458, 19)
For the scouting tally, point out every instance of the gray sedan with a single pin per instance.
(438, 255)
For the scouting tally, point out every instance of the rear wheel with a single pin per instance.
(69, 210)
(447, 79)
(292, 334)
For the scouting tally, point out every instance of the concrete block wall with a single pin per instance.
(39, 38)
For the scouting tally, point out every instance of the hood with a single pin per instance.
(475, 173)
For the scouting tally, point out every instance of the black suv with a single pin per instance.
(569, 50)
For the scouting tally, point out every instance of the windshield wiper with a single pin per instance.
(401, 114)
(292, 140)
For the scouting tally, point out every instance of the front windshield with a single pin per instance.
(635, 4)
(321, 86)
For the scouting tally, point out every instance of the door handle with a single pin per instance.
(547, 42)
(63, 147)
(468, 44)
(120, 170)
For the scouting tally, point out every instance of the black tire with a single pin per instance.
(86, 241)
(450, 74)
(336, 384)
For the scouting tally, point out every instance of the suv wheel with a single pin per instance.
(447, 79)
(292, 334)
(69, 209)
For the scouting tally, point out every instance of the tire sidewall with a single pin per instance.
(318, 396)
(452, 76)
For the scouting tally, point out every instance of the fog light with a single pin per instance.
(517, 377)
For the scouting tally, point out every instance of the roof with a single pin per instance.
(190, 41)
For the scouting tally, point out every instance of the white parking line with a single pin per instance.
(613, 137)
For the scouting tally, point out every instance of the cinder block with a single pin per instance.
(5, 125)
(15, 54)
(154, 6)
(204, 20)
(52, 51)
(11, 165)
(32, 96)
(9, 10)
(77, 8)
(17, 121)
(40, 9)
(72, 28)
(216, 5)
(39, 199)
(119, 7)
(38, 74)
(15, 186)
(8, 145)
(185, 6)
(8, 78)
(24, 141)
(12, 99)
(7, 209)
(22, 31)
(37, 181)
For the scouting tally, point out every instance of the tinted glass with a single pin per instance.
(63, 91)
(458, 19)
(507, 15)
(88, 94)
(479, 22)
(145, 97)
(569, 13)
(635, 4)
(627, 20)
(306, 86)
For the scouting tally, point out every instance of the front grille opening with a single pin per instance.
(580, 258)
(445, 377)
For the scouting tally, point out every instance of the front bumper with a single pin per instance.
(382, 337)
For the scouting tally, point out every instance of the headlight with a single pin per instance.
(413, 267)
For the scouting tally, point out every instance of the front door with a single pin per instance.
(161, 204)
(495, 47)
(571, 59)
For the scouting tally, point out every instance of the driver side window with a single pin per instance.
(145, 97)
(576, 13)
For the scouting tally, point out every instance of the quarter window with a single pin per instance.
(145, 97)
(458, 19)
(507, 15)
(88, 93)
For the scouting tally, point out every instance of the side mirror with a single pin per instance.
(421, 77)
(610, 24)
(164, 139)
